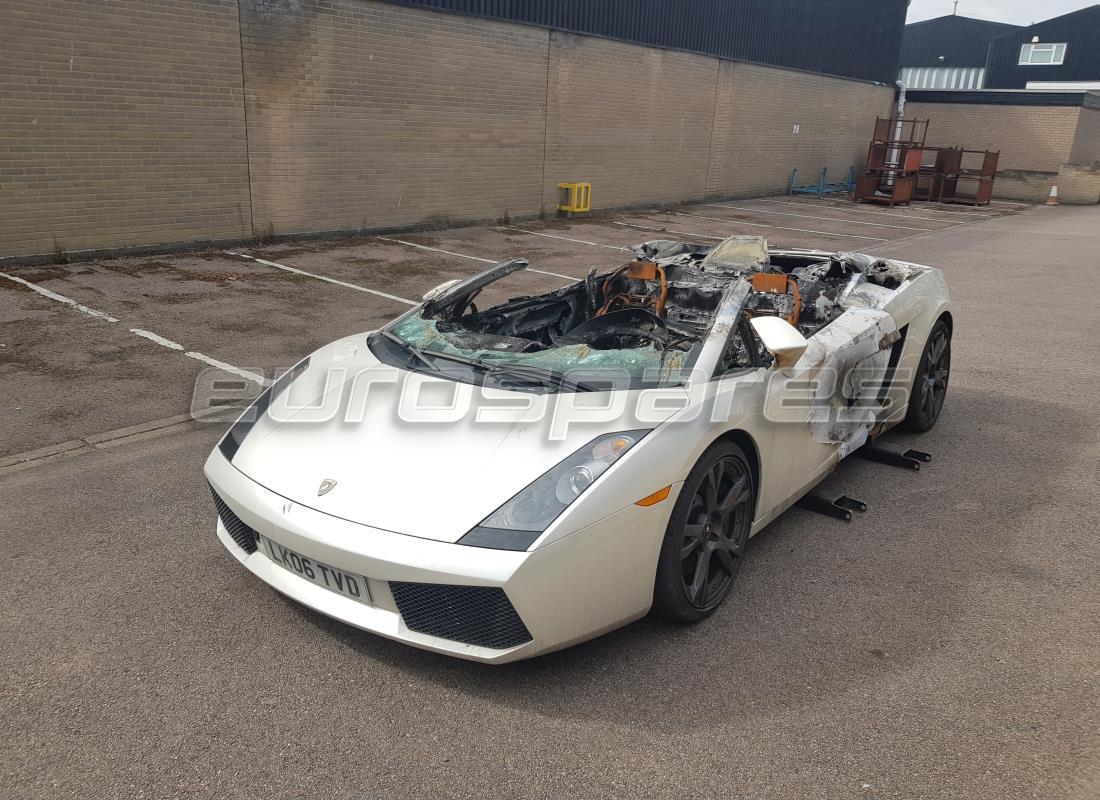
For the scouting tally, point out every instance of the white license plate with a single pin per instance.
(312, 570)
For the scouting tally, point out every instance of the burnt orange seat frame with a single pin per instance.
(776, 283)
(637, 271)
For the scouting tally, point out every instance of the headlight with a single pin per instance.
(517, 523)
(232, 440)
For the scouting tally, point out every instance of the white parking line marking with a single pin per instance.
(152, 337)
(168, 343)
(324, 278)
(213, 362)
(472, 258)
(873, 209)
(436, 250)
(91, 312)
(778, 227)
(567, 239)
(144, 334)
(243, 373)
(811, 216)
(882, 212)
(668, 230)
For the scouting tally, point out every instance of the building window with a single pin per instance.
(1043, 53)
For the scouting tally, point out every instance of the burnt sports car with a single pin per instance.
(584, 456)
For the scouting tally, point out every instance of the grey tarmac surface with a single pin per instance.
(943, 645)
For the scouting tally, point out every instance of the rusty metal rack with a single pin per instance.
(975, 169)
(933, 167)
(894, 159)
(901, 132)
(902, 168)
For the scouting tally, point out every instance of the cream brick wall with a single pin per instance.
(756, 109)
(635, 122)
(367, 115)
(1079, 184)
(121, 124)
(1086, 146)
(147, 122)
(1038, 138)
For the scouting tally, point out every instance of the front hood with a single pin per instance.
(435, 478)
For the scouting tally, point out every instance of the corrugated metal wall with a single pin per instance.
(949, 42)
(942, 77)
(849, 38)
(1080, 30)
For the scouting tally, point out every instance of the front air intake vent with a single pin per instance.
(243, 535)
(478, 615)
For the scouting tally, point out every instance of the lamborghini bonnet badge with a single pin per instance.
(326, 486)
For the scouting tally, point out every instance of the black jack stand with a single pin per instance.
(910, 459)
(841, 508)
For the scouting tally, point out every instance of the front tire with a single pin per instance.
(707, 535)
(930, 385)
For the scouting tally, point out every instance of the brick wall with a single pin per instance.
(1035, 138)
(756, 111)
(120, 124)
(635, 122)
(368, 115)
(1079, 183)
(1086, 147)
(144, 122)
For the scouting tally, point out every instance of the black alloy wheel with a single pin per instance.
(930, 386)
(707, 535)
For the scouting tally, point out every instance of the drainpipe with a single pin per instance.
(894, 156)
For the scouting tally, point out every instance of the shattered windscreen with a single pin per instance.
(640, 325)
(648, 362)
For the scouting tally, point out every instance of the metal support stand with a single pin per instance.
(822, 187)
(841, 508)
(910, 459)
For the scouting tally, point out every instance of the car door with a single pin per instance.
(826, 406)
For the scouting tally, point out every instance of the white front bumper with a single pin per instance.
(580, 586)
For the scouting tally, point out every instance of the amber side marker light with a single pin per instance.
(655, 498)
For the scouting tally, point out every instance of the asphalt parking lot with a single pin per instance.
(945, 644)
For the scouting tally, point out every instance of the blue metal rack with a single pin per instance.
(822, 187)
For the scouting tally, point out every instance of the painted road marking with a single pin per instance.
(777, 227)
(152, 337)
(927, 206)
(144, 334)
(567, 239)
(851, 210)
(243, 373)
(472, 258)
(205, 359)
(60, 298)
(811, 216)
(324, 278)
(668, 230)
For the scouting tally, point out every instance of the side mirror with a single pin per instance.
(781, 339)
(431, 294)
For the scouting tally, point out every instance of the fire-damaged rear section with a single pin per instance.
(646, 319)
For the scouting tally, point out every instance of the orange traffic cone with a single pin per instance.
(1052, 199)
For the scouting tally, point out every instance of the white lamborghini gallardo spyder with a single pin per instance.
(497, 483)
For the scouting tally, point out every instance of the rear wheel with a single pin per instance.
(707, 534)
(930, 385)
